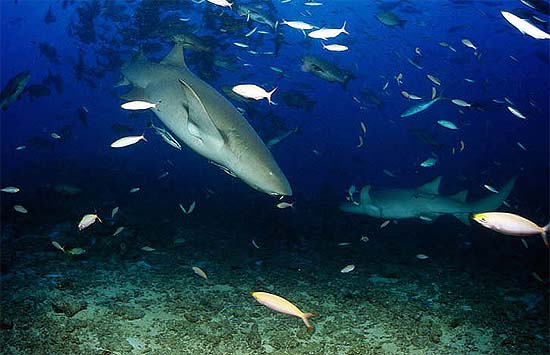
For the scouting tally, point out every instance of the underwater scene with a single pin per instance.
(293, 177)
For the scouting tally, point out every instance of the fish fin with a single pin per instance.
(175, 57)
(461, 196)
(122, 82)
(463, 217)
(136, 94)
(544, 233)
(365, 195)
(199, 121)
(431, 187)
(305, 317)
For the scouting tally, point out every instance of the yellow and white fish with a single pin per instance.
(511, 224)
(281, 305)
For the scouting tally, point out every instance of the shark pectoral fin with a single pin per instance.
(461, 196)
(199, 123)
(432, 187)
(463, 217)
(365, 196)
(136, 94)
(175, 57)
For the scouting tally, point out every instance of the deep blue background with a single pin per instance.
(377, 54)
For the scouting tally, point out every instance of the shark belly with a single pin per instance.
(205, 121)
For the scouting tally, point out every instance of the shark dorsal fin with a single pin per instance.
(432, 187)
(461, 196)
(199, 124)
(365, 195)
(175, 57)
(136, 94)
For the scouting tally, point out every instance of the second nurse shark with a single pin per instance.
(204, 120)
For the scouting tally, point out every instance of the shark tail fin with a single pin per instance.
(494, 201)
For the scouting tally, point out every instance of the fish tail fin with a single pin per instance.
(344, 28)
(269, 95)
(544, 234)
(305, 317)
(347, 78)
(143, 137)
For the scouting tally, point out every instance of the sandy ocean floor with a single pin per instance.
(119, 299)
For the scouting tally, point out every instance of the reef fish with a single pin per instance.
(281, 305)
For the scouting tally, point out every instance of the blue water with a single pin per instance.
(322, 160)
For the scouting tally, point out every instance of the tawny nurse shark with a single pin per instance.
(204, 120)
(424, 202)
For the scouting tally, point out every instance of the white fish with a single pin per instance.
(222, 3)
(313, 3)
(255, 244)
(118, 230)
(10, 189)
(283, 205)
(469, 80)
(114, 212)
(20, 209)
(428, 162)
(198, 271)
(190, 209)
(147, 248)
(521, 146)
(421, 256)
(251, 32)
(360, 142)
(434, 79)
(252, 91)
(58, 246)
(88, 220)
(516, 112)
(385, 224)
(524, 26)
(326, 33)
(134, 190)
(299, 25)
(241, 45)
(138, 105)
(447, 124)
(126, 141)
(347, 268)
(468, 43)
(21, 147)
(490, 188)
(55, 135)
(460, 103)
(335, 47)
(363, 128)
(511, 224)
